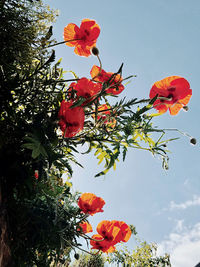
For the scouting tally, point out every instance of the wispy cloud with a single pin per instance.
(184, 205)
(183, 245)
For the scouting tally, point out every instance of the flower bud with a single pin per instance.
(185, 108)
(95, 51)
(193, 141)
(76, 256)
(145, 116)
(36, 174)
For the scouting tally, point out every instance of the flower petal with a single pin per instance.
(70, 32)
(174, 110)
(82, 51)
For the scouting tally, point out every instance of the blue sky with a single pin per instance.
(154, 39)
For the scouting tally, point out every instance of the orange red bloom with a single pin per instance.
(71, 120)
(114, 231)
(114, 81)
(85, 88)
(108, 231)
(104, 115)
(89, 203)
(173, 93)
(85, 227)
(83, 38)
(109, 234)
(103, 245)
(125, 231)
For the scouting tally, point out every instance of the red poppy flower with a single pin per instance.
(173, 93)
(103, 245)
(104, 115)
(71, 119)
(114, 231)
(85, 88)
(115, 86)
(90, 203)
(83, 38)
(85, 227)
(125, 231)
(109, 231)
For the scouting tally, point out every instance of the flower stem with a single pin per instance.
(97, 240)
(100, 67)
(63, 42)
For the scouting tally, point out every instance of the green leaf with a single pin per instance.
(80, 101)
(35, 145)
(101, 173)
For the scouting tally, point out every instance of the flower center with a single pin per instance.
(72, 124)
(87, 32)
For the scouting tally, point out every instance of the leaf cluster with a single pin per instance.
(144, 255)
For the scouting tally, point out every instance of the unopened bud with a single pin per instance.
(185, 108)
(76, 256)
(145, 116)
(95, 51)
(193, 141)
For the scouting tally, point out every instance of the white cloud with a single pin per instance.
(183, 245)
(179, 225)
(189, 203)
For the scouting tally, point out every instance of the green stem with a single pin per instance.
(63, 42)
(99, 69)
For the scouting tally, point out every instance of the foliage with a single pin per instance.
(143, 255)
(87, 260)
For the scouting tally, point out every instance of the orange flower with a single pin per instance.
(83, 38)
(125, 231)
(115, 86)
(104, 245)
(173, 93)
(114, 231)
(108, 231)
(85, 227)
(90, 203)
(85, 88)
(109, 234)
(71, 119)
(104, 116)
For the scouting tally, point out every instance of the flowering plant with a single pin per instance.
(44, 120)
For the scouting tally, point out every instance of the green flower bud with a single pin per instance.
(95, 51)
(185, 108)
(145, 116)
(76, 256)
(193, 141)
